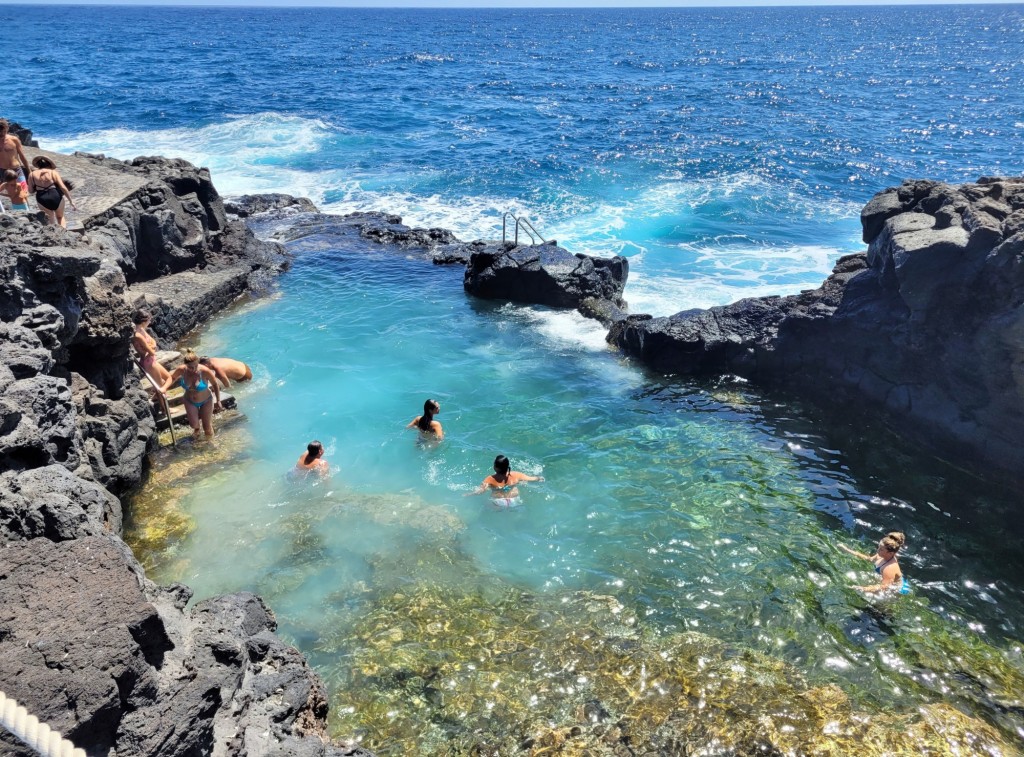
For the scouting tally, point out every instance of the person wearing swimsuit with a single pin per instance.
(312, 460)
(197, 381)
(145, 347)
(430, 430)
(50, 190)
(502, 485)
(886, 565)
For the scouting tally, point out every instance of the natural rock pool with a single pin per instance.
(674, 583)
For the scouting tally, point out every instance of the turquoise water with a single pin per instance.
(727, 153)
(701, 507)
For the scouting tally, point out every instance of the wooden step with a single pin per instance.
(177, 405)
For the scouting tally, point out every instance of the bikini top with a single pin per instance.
(200, 385)
(904, 585)
(509, 485)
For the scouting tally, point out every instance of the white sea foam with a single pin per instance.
(267, 152)
(567, 329)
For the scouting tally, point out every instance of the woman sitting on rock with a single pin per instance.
(50, 190)
(202, 394)
(145, 347)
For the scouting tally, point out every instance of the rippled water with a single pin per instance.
(728, 153)
(694, 507)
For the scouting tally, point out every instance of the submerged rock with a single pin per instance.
(927, 327)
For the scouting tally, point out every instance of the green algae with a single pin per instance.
(442, 670)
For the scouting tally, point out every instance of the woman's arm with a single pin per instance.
(30, 182)
(175, 375)
(436, 426)
(480, 489)
(854, 552)
(213, 384)
(63, 188)
(889, 573)
(523, 477)
(414, 421)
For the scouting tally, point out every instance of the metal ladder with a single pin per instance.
(521, 222)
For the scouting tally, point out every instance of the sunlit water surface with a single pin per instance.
(704, 507)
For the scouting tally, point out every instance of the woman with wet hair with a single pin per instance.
(886, 564)
(427, 426)
(313, 459)
(503, 484)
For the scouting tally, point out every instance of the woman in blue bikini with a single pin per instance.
(202, 394)
(886, 565)
(504, 492)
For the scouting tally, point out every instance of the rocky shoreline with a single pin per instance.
(87, 643)
(924, 328)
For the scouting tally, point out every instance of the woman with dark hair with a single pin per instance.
(502, 485)
(145, 347)
(50, 190)
(426, 424)
(313, 459)
(886, 565)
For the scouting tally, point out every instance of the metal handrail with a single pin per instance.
(523, 223)
(163, 399)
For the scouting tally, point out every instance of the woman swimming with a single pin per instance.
(197, 381)
(426, 424)
(504, 492)
(313, 460)
(886, 565)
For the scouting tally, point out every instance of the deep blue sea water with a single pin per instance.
(726, 152)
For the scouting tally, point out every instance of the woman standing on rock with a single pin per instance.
(50, 190)
(197, 381)
(145, 347)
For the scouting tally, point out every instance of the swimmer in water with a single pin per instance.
(313, 460)
(502, 485)
(427, 426)
(885, 564)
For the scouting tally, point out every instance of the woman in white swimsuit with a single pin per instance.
(502, 485)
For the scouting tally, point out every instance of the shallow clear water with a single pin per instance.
(726, 152)
(697, 507)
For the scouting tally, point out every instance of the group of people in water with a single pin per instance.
(502, 484)
(44, 181)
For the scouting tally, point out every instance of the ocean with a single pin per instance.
(727, 153)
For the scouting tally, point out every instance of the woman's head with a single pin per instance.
(314, 451)
(41, 161)
(190, 357)
(430, 409)
(892, 542)
(141, 316)
(501, 465)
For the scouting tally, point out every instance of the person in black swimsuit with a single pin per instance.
(50, 190)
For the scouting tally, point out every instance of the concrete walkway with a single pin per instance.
(96, 188)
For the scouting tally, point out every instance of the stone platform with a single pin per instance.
(96, 189)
